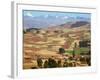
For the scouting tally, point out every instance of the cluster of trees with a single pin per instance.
(52, 63)
(86, 60)
(84, 43)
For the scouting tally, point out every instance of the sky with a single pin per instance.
(40, 19)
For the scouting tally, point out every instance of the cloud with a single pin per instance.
(65, 17)
(29, 14)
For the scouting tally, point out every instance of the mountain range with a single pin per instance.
(44, 22)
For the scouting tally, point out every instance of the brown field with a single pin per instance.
(44, 44)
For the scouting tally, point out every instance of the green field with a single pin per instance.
(78, 51)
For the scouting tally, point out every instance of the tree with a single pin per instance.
(70, 64)
(74, 48)
(61, 50)
(39, 61)
(73, 52)
(82, 59)
(59, 63)
(46, 64)
(52, 63)
(84, 43)
(88, 60)
(65, 64)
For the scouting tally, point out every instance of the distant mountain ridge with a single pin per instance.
(61, 26)
(79, 23)
(71, 24)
